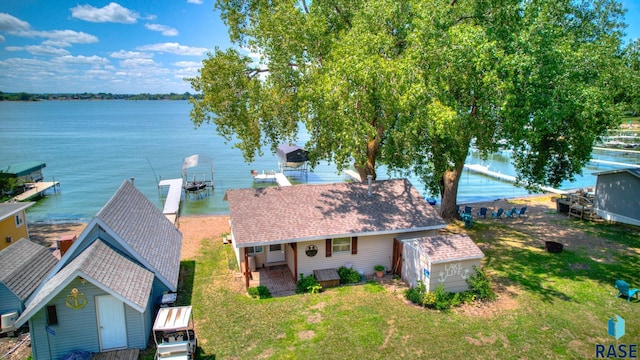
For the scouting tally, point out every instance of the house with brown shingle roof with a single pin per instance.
(103, 292)
(313, 227)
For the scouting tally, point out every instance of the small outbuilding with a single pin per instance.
(617, 195)
(435, 260)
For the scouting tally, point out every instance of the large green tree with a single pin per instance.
(411, 84)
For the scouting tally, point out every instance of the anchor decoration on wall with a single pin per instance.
(76, 300)
(453, 270)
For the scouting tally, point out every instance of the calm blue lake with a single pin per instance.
(90, 147)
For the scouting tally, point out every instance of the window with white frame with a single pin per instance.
(252, 250)
(341, 245)
(19, 219)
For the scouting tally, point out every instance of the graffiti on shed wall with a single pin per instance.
(453, 270)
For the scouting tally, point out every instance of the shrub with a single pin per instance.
(378, 268)
(417, 293)
(480, 285)
(260, 292)
(348, 276)
(307, 284)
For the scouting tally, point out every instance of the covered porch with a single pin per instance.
(278, 279)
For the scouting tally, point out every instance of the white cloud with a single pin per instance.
(12, 23)
(186, 64)
(165, 30)
(197, 2)
(111, 13)
(14, 48)
(45, 50)
(130, 63)
(93, 60)
(59, 37)
(1, 39)
(122, 54)
(174, 48)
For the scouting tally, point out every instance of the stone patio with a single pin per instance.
(278, 279)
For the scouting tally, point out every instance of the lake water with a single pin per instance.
(90, 147)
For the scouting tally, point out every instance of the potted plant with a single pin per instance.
(379, 270)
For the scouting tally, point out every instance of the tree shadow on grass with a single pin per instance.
(185, 282)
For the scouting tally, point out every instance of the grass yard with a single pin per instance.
(549, 305)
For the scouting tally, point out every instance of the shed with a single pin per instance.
(617, 196)
(435, 260)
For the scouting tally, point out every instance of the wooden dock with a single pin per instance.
(35, 189)
(172, 202)
(480, 169)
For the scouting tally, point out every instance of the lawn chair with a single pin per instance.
(624, 290)
(511, 213)
(482, 212)
(497, 214)
(521, 212)
(468, 210)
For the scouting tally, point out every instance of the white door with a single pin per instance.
(111, 323)
(275, 253)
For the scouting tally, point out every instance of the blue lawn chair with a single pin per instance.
(482, 212)
(624, 290)
(521, 211)
(468, 210)
(497, 214)
(511, 213)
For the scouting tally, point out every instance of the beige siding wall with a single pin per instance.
(453, 275)
(372, 250)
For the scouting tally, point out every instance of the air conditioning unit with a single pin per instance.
(7, 320)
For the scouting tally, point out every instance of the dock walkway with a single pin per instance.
(36, 189)
(172, 202)
(480, 169)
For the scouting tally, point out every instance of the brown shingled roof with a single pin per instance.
(310, 212)
(448, 248)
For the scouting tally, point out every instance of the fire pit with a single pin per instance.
(553, 247)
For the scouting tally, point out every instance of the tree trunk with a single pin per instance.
(373, 146)
(449, 192)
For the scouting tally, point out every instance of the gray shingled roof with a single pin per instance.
(24, 265)
(103, 267)
(311, 212)
(447, 248)
(8, 209)
(139, 223)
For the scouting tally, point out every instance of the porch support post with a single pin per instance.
(247, 269)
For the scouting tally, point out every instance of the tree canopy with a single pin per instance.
(412, 84)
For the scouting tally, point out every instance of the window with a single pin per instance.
(19, 220)
(52, 315)
(341, 245)
(276, 247)
(252, 250)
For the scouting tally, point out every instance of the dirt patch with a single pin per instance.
(306, 334)
(196, 229)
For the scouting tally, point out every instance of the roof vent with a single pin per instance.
(369, 178)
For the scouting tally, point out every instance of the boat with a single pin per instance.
(192, 166)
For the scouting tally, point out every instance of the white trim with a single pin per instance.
(609, 216)
(333, 236)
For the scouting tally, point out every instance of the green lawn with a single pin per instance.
(553, 306)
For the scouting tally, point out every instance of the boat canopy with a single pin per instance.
(292, 153)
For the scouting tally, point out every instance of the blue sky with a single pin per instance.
(122, 46)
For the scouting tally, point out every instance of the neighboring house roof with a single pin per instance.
(137, 221)
(24, 168)
(103, 267)
(9, 209)
(632, 171)
(448, 248)
(148, 237)
(23, 266)
(312, 212)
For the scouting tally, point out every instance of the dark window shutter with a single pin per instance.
(328, 248)
(354, 245)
